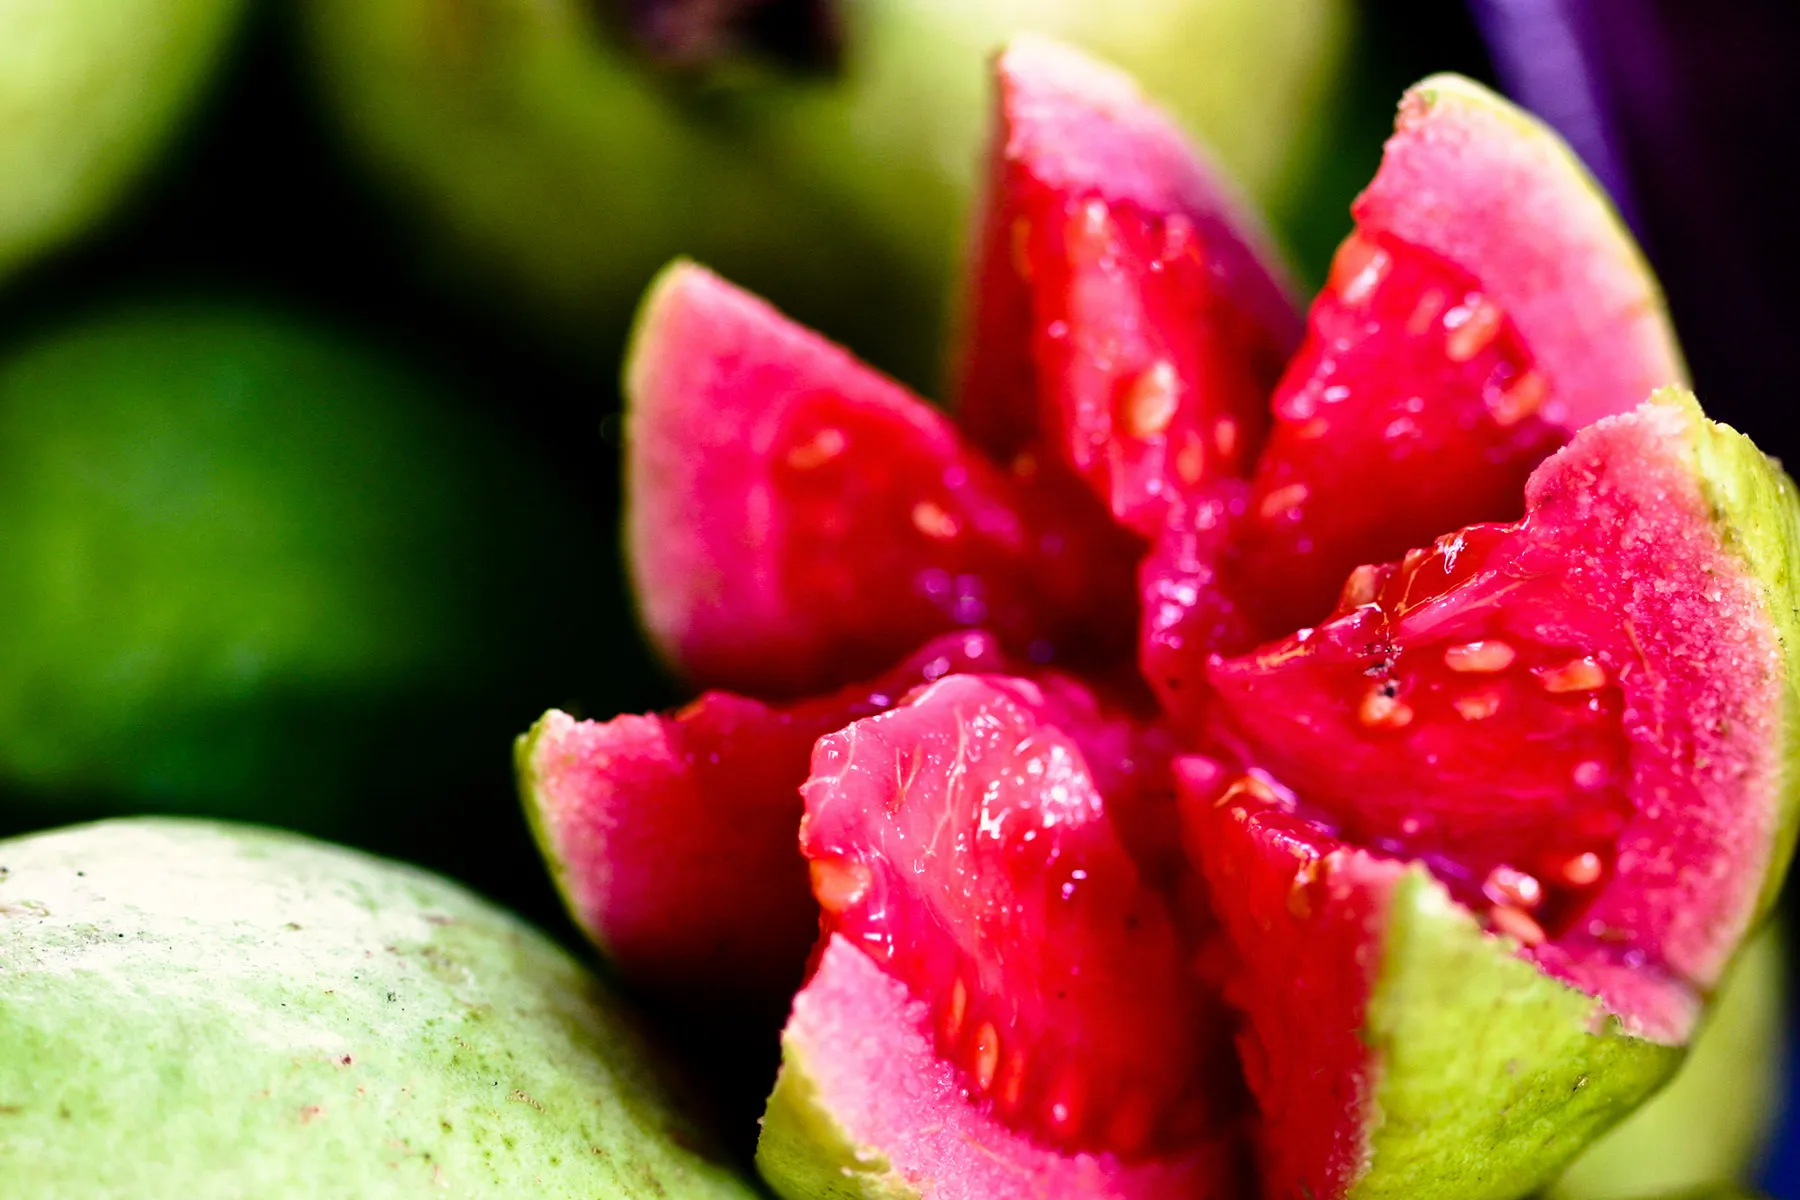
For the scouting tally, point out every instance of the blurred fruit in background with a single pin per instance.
(248, 570)
(568, 148)
(90, 91)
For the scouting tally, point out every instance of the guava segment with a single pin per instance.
(1395, 1048)
(1576, 719)
(796, 521)
(1488, 304)
(865, 1107)
(962, 843)
(673, 837)
(1124, 317)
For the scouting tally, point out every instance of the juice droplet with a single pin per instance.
(1589, 774)
(987, 1057)
(1520, 398)
(1517, 925)
(1283, 501)
(839, 884)
(1478, 706)
(1066, 1106)
(1149, 403)
(1513, 888)
(817, 450)
(1382, 710)
(1479, 658)
(1576, 675)
(1473, 326)
(934, 522)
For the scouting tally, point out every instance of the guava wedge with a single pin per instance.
(672, 838)
(1488, 304)
(1004, 1005)
(1536, 779)
(796, 521)
(1125, 317)
(202, 1010)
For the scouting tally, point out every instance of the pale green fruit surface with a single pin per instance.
(195, 1010)
(90, 90)
(544, 153)
(1713, 1120)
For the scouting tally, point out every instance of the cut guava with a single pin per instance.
(1570, 732)
(1488, 305)
(961, 843)
(209, 1011)
(1124, 317)
(796, 521)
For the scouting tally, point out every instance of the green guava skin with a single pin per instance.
(90, 92)
(237, 557)
(546, 156)
(1456, 1117)
(201, 1010)
(1714, 1118)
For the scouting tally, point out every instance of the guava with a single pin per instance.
(90, 91)
(238, 558)
(208, 1010)
(1714, 1119)
(545, 149)
(1418, 899)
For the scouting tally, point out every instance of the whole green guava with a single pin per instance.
(248, 570)
(543, 149)
(90, 90)
(197, 1010)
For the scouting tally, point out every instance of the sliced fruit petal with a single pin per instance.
(1125, 317)
(1579, 721)
(796, 521)
(960, 841)
(674, 838)
(865, 1108)
(1395, 1048)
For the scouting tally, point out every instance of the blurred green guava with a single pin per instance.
(248, 570)
(209, 1011)
(90, 91)
(545, 147)
(1714, 1119)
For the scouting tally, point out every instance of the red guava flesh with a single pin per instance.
(1315, 911)
(796, 521)
(1487, 306)
(1560, 716)
(961, 842)
(673, 836)
(1123, 320)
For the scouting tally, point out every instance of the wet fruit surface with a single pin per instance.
(960, 841)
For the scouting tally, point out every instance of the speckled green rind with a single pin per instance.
(806, 1155)
(90, 90)
(195, 1010)
(1490, 1075)
(1715, 1116)
(1757, 509)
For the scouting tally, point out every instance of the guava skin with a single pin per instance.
(550, 159)
(238, 557)
(90, 91)
(203, 1010)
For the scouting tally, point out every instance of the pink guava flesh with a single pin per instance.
(869, 1049)
(961, 842)
(1542, 713)
(797, 521)
(674, 836)
(1124, 321)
